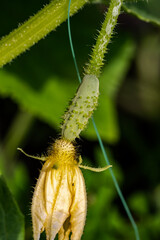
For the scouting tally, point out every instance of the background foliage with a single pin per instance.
(35, 90)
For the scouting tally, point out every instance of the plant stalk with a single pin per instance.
(97, 56)
(36, 28)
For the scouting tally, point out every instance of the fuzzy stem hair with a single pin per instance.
(36, 28)
(99, 49)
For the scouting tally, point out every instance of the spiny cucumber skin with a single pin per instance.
(81, 108)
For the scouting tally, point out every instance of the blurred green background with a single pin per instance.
(35, 90)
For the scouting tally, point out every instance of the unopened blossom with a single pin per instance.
(59, 201)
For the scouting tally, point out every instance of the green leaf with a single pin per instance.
(148, 11)
(11, 220)
(48, 103)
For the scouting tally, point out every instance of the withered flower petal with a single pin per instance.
(59, 200)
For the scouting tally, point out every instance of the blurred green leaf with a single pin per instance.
(106, 121)
(19, 182)
(138, 203)
(104, 220)
(96, 211)
(16, 176)
(115, 71)
(11, 220)
(148, 11)
(47, 103)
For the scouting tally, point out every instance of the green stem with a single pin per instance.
(36, 28)
(15, 136)
(100, 48)
(16, 133)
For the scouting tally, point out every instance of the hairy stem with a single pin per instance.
(36, 28)
(100, 48)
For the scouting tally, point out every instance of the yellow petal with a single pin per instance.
(61, 206)
(44, 198)
(79, 206)
(65, 230)
(39, 213)
(53, 180)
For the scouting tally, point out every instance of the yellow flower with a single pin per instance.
(59, 202)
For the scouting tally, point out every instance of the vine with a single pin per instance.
(36, 28)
